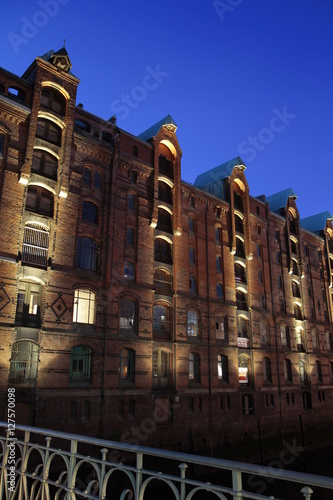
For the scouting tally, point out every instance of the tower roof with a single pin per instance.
(279, 200)
(218, 173)
(316, 223)
(166, 122)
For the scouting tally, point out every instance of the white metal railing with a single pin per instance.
(43, 464)
(35, 246)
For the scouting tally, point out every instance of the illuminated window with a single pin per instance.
(300, 340)
(23, 363)
(127, 310)
(127, 365)
(162, 320)
(80, 363)
(84, 306)
(222, 368)
(243, 370)
(192, 323)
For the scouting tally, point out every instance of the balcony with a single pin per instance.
(120, 470)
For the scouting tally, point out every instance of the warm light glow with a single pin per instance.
(153, 223)
(23, 180)
(178, 232)
(63, 193)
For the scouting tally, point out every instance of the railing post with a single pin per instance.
(138, 477)
(183, 468)
(237, 485)
(307, 492)
(72, 461)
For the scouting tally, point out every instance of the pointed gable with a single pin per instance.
(152, 131)
(316, 223)
(278, 201)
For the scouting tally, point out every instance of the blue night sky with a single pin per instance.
(249, 78)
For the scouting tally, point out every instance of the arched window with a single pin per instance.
(288, 370)
(241, 300)
(163, 251)
(44, 163)
(239, 224)
(295, 268)
(24, 363)
(240, 274)
(35, 245)
(53, 100)
(162, 320)
(163, 281)
(39, 200)
(240, 248)
(48, 131)
(243, 370)
(162, 369)
(16, 93)
(80, 363)
(264, 332)
(89, 212)
(84, 306)
(296, 289)
(242, 332)
(267, 370)
(127, 314)
(194, 367)
(222, 368)
(298, 311)
(127, 365)
(164, 221)
(86, 254)
(82, 125)
(192, 323)
(164, 192)
(28, 304)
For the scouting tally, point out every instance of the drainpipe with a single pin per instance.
(209, 337)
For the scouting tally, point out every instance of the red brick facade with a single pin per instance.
(138, 307)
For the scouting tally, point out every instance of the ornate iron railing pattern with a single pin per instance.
(47, 471)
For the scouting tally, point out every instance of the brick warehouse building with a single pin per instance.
(136, 306)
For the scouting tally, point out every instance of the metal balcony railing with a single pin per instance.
(35, 246)
(39, 463)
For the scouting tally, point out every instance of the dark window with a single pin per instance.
(192, 255)
(260, 275)
(48, 131)
(72, 411)
(218, 264)
(130, 237)
(129, 270)
(86, 254)
(82, 125)
(2, 143)
(319, 371)
(106, 136)
(165, 167)
(240, 275)
(194, 367)
(131, 408)
(45, 164)
(98, 180)
(16, 94)
(192, 284)
(297, 311)
(267, 370)
(80, 363)
(39, 200)
(295, 268)
(23, 363)
(285, 337)
(127, 315)
(86, 411)
(89, 212)
(218, 236)
(191, 225)
(307, 401)
(240, 249)
(296, 289)
(219, 291)
(87, 177)
(135, 151)
(127, 365)
(53, 100)
(239, 224)
(163, 251)
(164, 221)
(131, 203)
(241, 300)
(263, 328)
(238, 202)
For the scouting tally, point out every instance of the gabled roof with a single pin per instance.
(218, 173)
(152, 131)
(51, 56)
(316, 223)
(279, 200)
